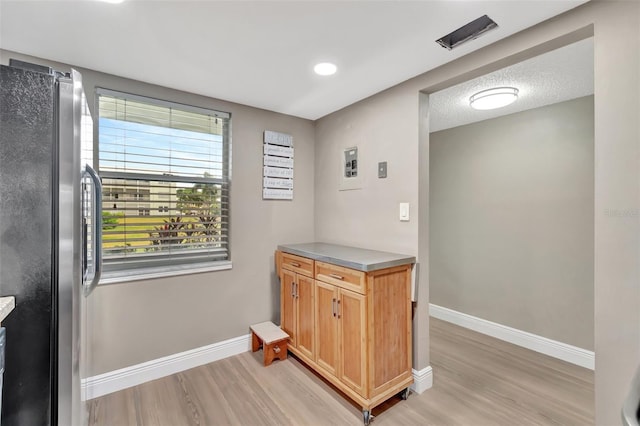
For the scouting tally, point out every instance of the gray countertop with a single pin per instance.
(6, 306)
(349, 257)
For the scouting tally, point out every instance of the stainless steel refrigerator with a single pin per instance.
(45, 198)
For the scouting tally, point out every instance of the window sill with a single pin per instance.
(117, 277)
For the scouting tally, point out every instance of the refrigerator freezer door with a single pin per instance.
(40, 246)
(27, 153)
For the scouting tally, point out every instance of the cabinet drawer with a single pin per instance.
(298, 264)
(341, 277)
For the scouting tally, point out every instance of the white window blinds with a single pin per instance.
(165, 175)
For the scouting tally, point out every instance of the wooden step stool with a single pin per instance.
(273, 340)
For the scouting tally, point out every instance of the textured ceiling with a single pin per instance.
(261, 53)
(556, 76)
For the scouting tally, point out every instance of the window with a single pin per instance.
(167, 165)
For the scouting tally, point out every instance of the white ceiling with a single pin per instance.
(556, 76)
(261, 53)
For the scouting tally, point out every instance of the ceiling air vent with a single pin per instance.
(473, 29)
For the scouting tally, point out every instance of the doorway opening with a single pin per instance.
(511, 207)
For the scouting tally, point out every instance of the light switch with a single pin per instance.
(404, 212)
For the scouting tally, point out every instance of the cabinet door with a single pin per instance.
(352, 332)
(305, 315)
(288, 305)
(326, 327)
(389, 316)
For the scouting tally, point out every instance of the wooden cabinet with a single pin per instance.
(305, 315)
(326, 327)
(341, 333)
(352, 327)
(352, 333)
(297, 304)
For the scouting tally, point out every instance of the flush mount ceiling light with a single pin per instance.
(494, 98)
(325, 68)
(112, 1)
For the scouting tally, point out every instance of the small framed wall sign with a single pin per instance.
(277, 166)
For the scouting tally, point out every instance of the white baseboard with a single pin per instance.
(422, 379)
(563, 351)
(123, 378)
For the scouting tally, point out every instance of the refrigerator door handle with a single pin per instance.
(96, 231)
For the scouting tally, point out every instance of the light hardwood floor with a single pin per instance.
(478, 380)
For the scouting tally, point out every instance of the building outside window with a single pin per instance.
(165, 173)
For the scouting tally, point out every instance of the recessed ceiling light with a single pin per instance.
(112, 1)
(494, 98)
(325, 68)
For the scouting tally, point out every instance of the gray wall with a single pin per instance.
(511, 220)
(402, 115)
(368, 217)
(383, 129)
(145, 320)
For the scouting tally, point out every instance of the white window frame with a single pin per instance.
(155, 265)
